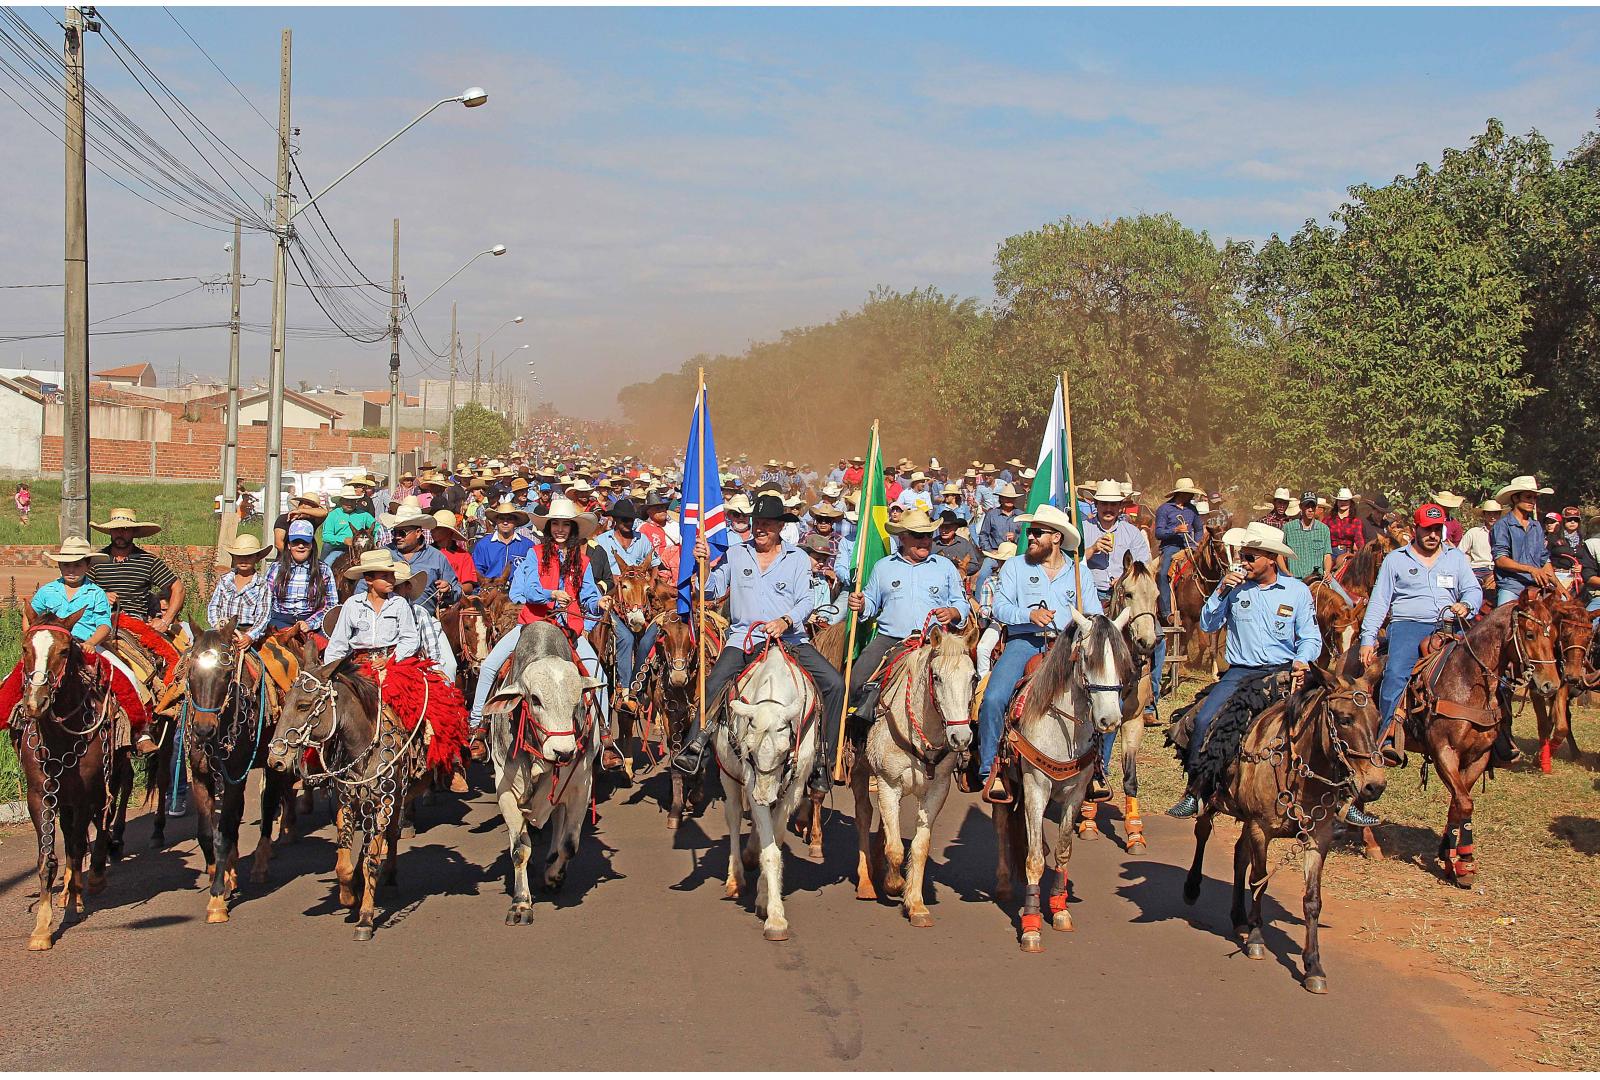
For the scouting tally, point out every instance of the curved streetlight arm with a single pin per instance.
(298, 210)
(458, 273)
(502, 326)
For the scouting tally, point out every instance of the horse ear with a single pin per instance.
(229, 626)
(1080, 619)
(310, 657)
(27, 614)
(72, 620)
(1127, 560)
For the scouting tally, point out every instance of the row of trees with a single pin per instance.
(1437, 331)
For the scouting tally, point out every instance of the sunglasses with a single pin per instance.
(1034, 534)
(1250, 557)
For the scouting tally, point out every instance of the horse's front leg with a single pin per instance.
(1060, 889)
(273, 784)
(227, 809)
(75, 845)
(869, 844)
(1036, 793)
(344, 865)
(376, 851)
(44, 910)
(733, 811)
(207, 807)
(928, 808)
(1238, 913)
(894, 881)
(1132, 821)
(1202, 833)
(766, 822)
(1316, 980)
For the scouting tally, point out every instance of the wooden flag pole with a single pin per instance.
(1072, 495)
(701, 565)
(863, 520)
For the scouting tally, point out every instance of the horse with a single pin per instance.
(1195, 574)
(376, 765)
(1297, 758)
(225, 717)
(469, 627)
(923, 725)
(62, 733)
(1575, 638)
(1457, 698)
(766, 752)
(634, 600)
(1135, 592)
(670, 696)
(1338, 614)
(1053, 728)
(542, 742)
(361, 540)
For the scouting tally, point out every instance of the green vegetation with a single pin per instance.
(182, 510)
(481, 431)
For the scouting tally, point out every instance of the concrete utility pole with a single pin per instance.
(228, 527)
(74, 519)
(280, 290)
(477, 368)
(394, 364)
(450, 436)
(426, 448)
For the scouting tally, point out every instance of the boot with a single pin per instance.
(691, 759)
(1353, 815)
(864, 711)
(1186, 807)
(1505, 751)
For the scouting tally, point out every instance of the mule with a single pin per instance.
(1052, 723)
(670, 684)
(542, 727)
(923, 725)
(766, 751)
(1298, 758)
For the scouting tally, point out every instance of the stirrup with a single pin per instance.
(995, 791)
(691, 757)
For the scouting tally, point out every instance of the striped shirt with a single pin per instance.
(133, 579)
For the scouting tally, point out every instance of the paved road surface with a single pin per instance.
(640, 964)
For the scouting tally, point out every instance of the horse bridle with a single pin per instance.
(53, 681)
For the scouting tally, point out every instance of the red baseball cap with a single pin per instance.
(1429, 514)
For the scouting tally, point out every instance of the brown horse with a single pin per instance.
(1298, 759)
(1195, 574)
(1456, 702)
(471, 629)
(1575, 638)
(669, 691)
(62, 733)
(361, 540)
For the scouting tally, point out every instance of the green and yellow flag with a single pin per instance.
(872, 532)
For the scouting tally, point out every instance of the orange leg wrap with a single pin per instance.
(1058, 902)
(1032, 924)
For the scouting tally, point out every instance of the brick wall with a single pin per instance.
(195, 452)
(181, 557)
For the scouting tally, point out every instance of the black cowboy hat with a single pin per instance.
(624, 508)
(950, 517)
(771, 508)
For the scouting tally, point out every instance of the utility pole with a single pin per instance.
(74, 519)
(280, 290)
(394, 363)
(477, 367)
(426, 451)
(450, 436)
(228, 527)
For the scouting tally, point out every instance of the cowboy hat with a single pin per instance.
(364, 481)
(913, 521)
(1008, 491)
(379, 561)
(123, 518)
(772, 508)
(408, 475)
(309, 506)
(1108, 491)
(567, 510)
(1521, 483)
(816, 544)
(772, 463)
(76, 549)
(1344, 494)
(582, 487)
(788, 465)
(1257, 537)
(349, 492)
(519, 484)
(1126, 487)
(1049, 517)
(246, 545)
(446, 520)
(739, 504)
(1449, 499)
(1003, 552)
(1014, 463)
(624, 509)
(509, 510)
(656, 497)
(918, 475)
(1490, 506)
(858, 460)
(1186, 486)
(831, 490)
(1283, 494)
(1027, 474)
(826, 510)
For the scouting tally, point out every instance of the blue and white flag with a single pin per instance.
(699, 460)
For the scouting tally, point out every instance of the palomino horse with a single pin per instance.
(361, 540)
(766, 751)
(1457, 699)
(1575, 638)
(62, 733)
(226, 702)
(1135, 592)
(1298, 758)
(376, 765)
(1049, 751)
(923, 723)
(542, 741)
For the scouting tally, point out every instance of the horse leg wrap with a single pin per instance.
(1058, 901)
(1464, 846)
(1032, 923)
(1130, 815)
(1545, 746)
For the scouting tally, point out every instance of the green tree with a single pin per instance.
(481, 431)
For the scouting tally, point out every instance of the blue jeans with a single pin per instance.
(1504, 595)
(1163, 584)
(1405, 645)
(331, 553)
(632, 649)
(502, 652)
(1226, 684)
(1003, 679)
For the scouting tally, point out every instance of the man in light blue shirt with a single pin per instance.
(1034, 599)
(1272, 627)
(1517, 541)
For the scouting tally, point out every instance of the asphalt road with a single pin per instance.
(639, 964)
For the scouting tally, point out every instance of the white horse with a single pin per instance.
(1075, 694)
(924, 722)
(546, 701)
(766, 749)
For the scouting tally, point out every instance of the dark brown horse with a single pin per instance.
(1195, 574)
(62, 731)
(671, 680)
(361, 540)
(1299, 759)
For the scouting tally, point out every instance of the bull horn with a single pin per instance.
(1122, 618)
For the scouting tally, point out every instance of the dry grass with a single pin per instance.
(1530, 927)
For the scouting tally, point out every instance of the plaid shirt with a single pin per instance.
(249, 606)
(294, 599)
(1346, 534)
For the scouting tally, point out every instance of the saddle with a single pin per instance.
(1421, 700)
(1225, 738)
(1015, 748)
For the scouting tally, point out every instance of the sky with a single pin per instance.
(676, 181)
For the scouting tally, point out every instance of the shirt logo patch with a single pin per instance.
(1244, 603)
(1278, 624)
(1285, 610)
(1033, 581)
(1412, 571)
(783, 586)
(894, 584)
(748, 571)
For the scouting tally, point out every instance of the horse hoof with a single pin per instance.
(1464, 881)
(1033, 942)
(40, 943)
(1191, 893)
(816, 851)
(520, 915)
(673, 823)
(775, 933)
(1373, 854)
(1136, 845)
(1062, 921)
(1087, 831)
(865, 891)
(1317, 984)
(158, 840)
(363, 933)
(1255, 951)
(730, 890)
(114, 849)
(95, 883)
(920, 919)
(216, 910)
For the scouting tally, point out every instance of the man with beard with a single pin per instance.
(132, 576)
(410, 546)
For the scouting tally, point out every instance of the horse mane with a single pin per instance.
(345, 672)
(1054, 677)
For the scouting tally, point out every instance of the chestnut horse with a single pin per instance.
(1575, 639)
(62, 733)
(670, 684)
(361, 540)
(1195, 574)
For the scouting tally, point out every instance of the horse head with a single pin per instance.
(952, 678)
(309, 716)
(1575, 640)
(360, 540)
(1102, 669)
(1136, 592)
(47, 656)
(1533, 641)
(1344, 709)
(633, 594)
(677, 646)
(210, 674)
(767, 707)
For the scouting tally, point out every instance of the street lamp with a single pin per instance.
(497, 250)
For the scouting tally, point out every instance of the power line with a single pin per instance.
(270, 125)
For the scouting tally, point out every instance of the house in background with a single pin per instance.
(131, 375)
(22, 404)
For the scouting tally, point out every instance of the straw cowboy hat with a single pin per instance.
(826, 510)
(739, 504)
(1344, 494)
(1008, 491)
(1014, 463)
(123, 518)
(1003, 552)
(1490, 506)
(349, 492)
(1257, 537)
(1049, 517)
(582, 487)
(446, 520)
(916, 522)
(567, 510)
(1108, 491)
(1518, 483)
(1449, 499)
(509, 510)
(1186, 486)
(379, 561)
(245, 545)
(76, 549)
(918, 475)
(772, 463)
(309, 506)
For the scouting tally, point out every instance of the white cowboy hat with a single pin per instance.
(76, 549)
(739, 504)
(772, 463)
(1186, 486)
(1201, 506)
(444, 519)
(1049, 517)
(567, 510)
(1283, 494)
(1490, 506)
(1449, 499)
(349, 492)
(831, 490)
(913, 521)
(918, 475)
(1257, 537)
(123, 518)
(408, 508)
(1344, 494)
(1028, 474)
(245, 544)
(1518, 483)
(581, 487)
(379, 561)
(1108, 491)
(1003, 552)
(1126, 487)
(1008, 491)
